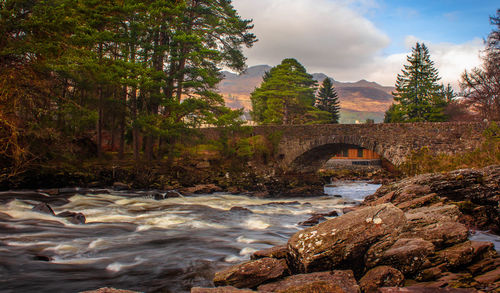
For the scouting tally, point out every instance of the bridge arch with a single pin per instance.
(315, 158)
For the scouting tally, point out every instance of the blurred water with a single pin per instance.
(142, 244)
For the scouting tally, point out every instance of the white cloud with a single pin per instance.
(321, 34)
(333, 37)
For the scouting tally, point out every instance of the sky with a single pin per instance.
(350, 40)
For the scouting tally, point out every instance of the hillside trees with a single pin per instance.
(327, 100)
(418, 95)
(138, 71)
(481, 86)
(286, 96)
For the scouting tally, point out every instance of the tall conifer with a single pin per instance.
(327, 100)
(417, 90)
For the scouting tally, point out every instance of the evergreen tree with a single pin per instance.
(418, 95)
(327, 100)
(286, 95)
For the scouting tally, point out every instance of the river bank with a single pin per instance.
(413, 233)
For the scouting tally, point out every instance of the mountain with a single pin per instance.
(359, 100)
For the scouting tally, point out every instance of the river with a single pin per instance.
(138, 243)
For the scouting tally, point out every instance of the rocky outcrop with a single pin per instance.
(475, 192)
(410, 233)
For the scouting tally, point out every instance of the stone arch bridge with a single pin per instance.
(305, 148)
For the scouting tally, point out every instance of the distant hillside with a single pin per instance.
(358, 100)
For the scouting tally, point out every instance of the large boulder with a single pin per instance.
(342, 242)
(382, 276)
(406, 255)
(252, 273)
(333, 281)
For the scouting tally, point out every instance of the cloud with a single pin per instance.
(334, 37)
(321, 34)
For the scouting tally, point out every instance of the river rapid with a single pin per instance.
(139, 243)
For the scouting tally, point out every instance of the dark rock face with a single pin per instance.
(382, 276)
(44, 209)
(252, 273)
(342, 242)
(333, 281)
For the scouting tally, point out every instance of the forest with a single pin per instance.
(84, 80)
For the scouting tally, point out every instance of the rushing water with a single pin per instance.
(136, 243)
(142, 244)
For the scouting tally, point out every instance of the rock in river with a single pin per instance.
(342, 242)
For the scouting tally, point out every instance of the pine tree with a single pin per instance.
(286, 95)
(418, 93)
(327, 100)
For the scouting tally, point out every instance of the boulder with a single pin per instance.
(226, 289)
(44, 209)
(277, 252)
(252, 273)
(408, 255)
(332, 281)
(313, 220)
(74, 218)
(342, 242)
(381, 276)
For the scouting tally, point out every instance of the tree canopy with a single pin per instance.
(286, 96)
(142, 72)
(418, 95)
